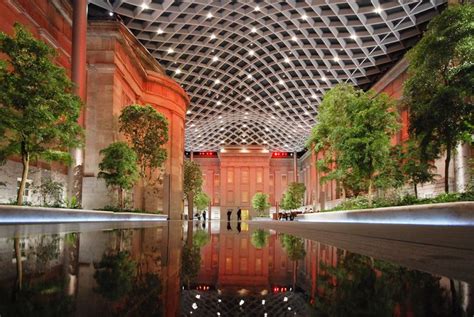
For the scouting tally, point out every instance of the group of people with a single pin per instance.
(239, 219)
(239, 214)
(198, 215)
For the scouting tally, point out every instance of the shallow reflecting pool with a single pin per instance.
(206, 269)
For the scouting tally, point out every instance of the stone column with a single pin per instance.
(295, 168)
(462, 166)
(78, 76)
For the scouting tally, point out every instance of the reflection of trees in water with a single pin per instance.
(293, 246)
(114, 275)
(191, 255)
(295, 249)
(260, 238)
(123, 281)
(39, 285)
(361, 286)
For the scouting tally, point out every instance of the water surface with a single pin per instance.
(207, 269)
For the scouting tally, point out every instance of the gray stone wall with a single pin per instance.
(11, 172)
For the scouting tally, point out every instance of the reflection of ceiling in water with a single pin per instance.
(210, 303)
(256, 71)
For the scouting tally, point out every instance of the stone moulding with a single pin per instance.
(448, 214)
(32, 215)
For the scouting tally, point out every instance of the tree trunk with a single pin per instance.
(415, 187)
(369, 194)
(25, 160)
(446, 167)
(120, 197)
(190, 198)
(19, 265)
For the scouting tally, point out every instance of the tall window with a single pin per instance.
(244, 176)
(245, 197)
(259, 176)
(230, 176)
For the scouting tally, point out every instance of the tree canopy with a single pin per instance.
(38, 112)
(353, 133)
(260, 203)
(119, 168)
(192, 183)
(441, 81)
(201, 200)
(293, 197)
(147, 131)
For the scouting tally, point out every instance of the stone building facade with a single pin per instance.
(119, 71)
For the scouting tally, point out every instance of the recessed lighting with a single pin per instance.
(277, 103)
(273, 117)
(188, 112)
(378, 10)
(287, 60)
(219, 117)
(144, 6)
(251, 52)
(192, 125)
(354, 36)
(306, 113)
(218, 81)
(281, 82)
(336, 58)
(222, 142)
(253, 30)
(222, 129)
(314, 96)
(213, 36)
(294, 38)
(246, 111)
(304, 17)
(111, 14)
(257, 8)
(249, 76)
(243, 141)
(215, 59)
(209, 15)
(170, 51)
(177, 71)
(267, 129)
(265, 142)
(219, 103)
(247, 99)
(159, 31)
(244, 126)
(323, 78)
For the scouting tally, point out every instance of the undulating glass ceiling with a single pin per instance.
(256, 70)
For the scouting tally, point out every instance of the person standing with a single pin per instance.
(229, 214)
(204, 215)
(239, 214)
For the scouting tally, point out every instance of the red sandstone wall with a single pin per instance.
(45, 20)
(121, 72)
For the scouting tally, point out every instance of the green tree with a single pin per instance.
(50, 192)
(415, 166)
(38, 112)
(441, 81)
(355, 132)
(293, 197)
(147, 131)
(192, 183)
(260, 204)
(201, 201)
(119, 168)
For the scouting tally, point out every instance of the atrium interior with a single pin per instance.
(252, 157)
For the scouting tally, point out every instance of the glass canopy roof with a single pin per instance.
(256, 71)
